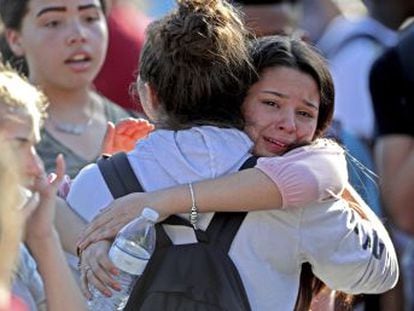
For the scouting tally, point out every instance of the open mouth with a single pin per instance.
(78, 59)
(276, 142)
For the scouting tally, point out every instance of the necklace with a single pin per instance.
(72, 128)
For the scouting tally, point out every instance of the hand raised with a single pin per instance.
(40, 208)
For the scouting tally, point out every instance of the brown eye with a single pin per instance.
(52, 24)
(305, 114)
(270, 103)
(91, 18)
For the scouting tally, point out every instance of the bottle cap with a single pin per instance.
(150, 214)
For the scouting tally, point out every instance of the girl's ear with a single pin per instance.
(13, 38)
(149, 99)
(152, 97)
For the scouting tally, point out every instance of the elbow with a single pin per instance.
(388, 281)
(383, 280)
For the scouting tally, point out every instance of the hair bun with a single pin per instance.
(196, 59)
(198, 29)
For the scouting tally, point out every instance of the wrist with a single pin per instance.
(40, 243)
(159, 202)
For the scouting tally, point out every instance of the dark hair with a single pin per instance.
(12, 13)
(274, 51)
(197, 61)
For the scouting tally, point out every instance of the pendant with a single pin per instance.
(72, 129)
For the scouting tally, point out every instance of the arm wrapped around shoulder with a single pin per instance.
(307, 174)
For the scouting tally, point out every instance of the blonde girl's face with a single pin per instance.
(281, 110)
(64, 42)
(11, 221)
(18, 129)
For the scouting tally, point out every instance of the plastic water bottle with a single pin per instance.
(130, 252)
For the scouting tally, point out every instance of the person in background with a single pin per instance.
(63, 44)
(392, 89)
(351, 48)
(10, 225)
(41, 278)
(126, 25)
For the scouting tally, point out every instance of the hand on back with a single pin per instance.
(124, 135)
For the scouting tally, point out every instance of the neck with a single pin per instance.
(69, 104)
(72, 121)
(73, 114)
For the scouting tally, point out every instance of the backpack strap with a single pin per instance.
(118, 175)
(224, 225)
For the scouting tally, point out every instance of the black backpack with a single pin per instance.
(190, 277)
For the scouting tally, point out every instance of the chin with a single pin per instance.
(264, 153)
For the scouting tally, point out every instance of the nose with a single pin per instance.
(76, 34)
(33, 164)
(287, 122)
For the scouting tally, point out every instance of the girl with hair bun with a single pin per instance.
(195, 71)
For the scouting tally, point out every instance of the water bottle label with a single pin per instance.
(126, 262)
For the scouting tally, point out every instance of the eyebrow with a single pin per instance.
(63, 9)
(306, 102)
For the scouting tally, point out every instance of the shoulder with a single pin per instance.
(89, 192)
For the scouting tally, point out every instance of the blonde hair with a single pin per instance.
(11, 219)
(21, 97)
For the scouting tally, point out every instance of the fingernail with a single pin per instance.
(116, 286)
(107, 293)
(114, 271)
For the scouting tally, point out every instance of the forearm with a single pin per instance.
(69, 225)
(244, 191)
(303, 176)
(61, 289)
